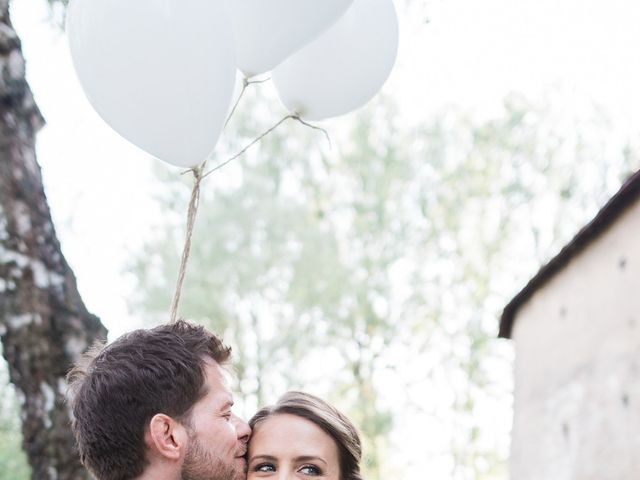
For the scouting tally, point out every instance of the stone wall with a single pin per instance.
(577, 371)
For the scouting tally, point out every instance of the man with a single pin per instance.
(155, 404)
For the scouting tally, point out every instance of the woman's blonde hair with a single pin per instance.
(329, 419)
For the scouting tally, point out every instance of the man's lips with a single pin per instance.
(244, 464)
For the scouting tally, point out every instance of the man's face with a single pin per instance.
(218, 438)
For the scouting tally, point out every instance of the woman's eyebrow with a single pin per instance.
(309, 458)
(267, 458)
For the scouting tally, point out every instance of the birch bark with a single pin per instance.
(44, 325)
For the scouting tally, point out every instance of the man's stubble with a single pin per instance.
(201, 465)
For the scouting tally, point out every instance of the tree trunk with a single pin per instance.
(44, 324)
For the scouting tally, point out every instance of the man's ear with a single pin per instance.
(167, 437)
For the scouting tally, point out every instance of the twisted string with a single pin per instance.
(199, 175)
(191, 220)
(245, 84)
(292, 116)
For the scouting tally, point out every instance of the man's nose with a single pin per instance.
(242, 429)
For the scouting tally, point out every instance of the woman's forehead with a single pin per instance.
(298, 431)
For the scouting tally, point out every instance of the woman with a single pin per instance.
(303, 436)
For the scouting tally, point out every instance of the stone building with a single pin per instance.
(576, 329)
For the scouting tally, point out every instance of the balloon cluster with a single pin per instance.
(162, 72)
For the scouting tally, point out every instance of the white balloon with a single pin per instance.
(343, 68)
(268, 31)
(160, 72)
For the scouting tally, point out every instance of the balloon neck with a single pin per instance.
(297, 112)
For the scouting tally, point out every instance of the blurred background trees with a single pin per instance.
(13, 461)
(373, 272)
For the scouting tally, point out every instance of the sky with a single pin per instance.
(463, 53)
(466, 54)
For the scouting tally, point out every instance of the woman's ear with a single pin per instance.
(168, 437)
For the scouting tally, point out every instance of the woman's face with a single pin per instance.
(286, 446)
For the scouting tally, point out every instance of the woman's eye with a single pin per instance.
(264, 467)
(310, 470)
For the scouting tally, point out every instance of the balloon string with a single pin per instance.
(293, 116)
(315, 127)
(245, 84)
(191, 219)
(198, 176)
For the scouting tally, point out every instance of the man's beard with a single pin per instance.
(201, 465)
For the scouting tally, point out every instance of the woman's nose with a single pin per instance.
(285, 474)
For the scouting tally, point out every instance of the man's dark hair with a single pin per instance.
(115, 390)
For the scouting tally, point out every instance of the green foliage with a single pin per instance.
(373, 274)
(13, 461)
(277, 277)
